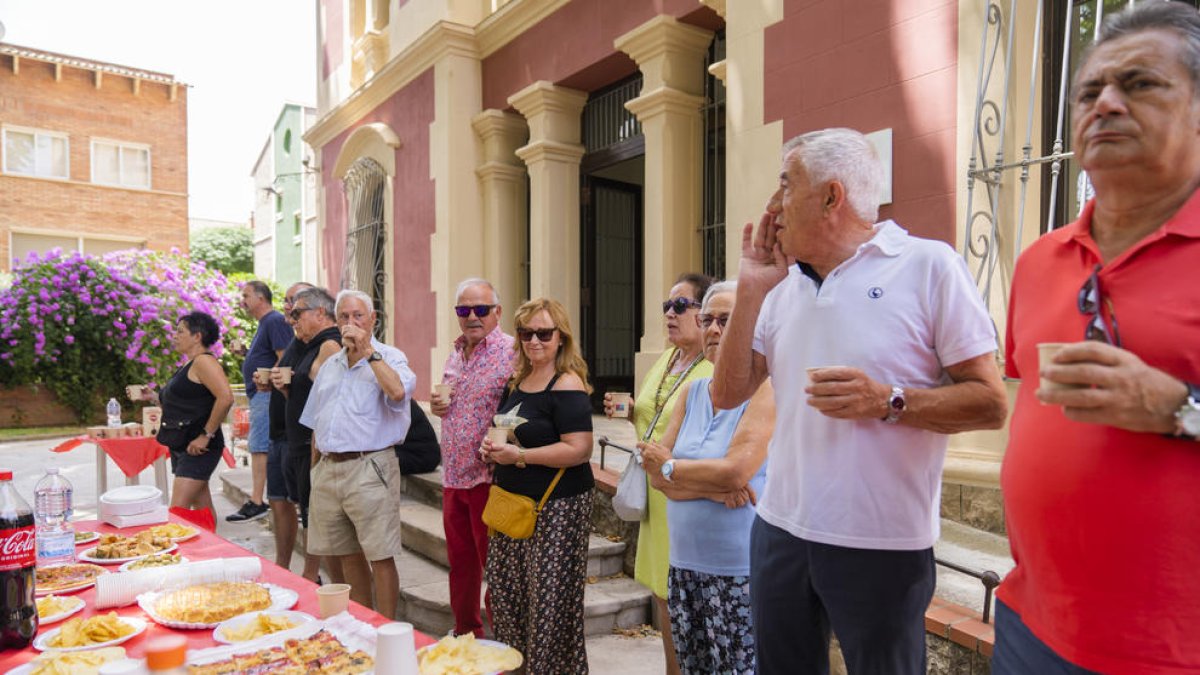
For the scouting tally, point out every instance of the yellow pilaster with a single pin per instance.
(502, 185)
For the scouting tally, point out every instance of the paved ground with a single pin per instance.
(607, 654)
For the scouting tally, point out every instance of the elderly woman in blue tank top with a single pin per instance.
(710, 465)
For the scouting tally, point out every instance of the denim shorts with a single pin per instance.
(260, 422)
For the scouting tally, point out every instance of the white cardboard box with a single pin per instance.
(152, 517)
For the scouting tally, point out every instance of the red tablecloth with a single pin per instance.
(204, 547)
(132, 454)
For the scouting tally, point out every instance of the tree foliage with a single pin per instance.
(228, 250)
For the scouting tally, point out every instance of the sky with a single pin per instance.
(243, 59)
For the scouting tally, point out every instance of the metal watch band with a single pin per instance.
(896, 405)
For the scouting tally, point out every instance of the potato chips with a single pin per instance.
(75, 663)
(92, 631)
(52, 605)
(172, 531)
(262, 624)
(462, 655)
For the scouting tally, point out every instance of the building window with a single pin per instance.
(712, 227)
(24, 243)
(287, 142)
(296, 226)
(33, 152)
(123, 164)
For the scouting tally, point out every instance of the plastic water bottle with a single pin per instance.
(52, 510)
(114, 413)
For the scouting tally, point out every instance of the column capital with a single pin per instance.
(669, 53)
(551, 151)
(552, 111)
(501, 134)
(662, 100)
(498, 171)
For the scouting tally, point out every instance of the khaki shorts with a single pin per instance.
(351, 509)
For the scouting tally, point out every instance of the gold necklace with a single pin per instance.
(659, 402)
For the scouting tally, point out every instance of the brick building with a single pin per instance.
(93, 156)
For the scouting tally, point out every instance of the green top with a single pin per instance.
(653, 547)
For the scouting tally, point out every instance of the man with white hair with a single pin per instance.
(477, 370)
(358, 409)
(899, 351)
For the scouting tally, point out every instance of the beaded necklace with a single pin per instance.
(659, 401)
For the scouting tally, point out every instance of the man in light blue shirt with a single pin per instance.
(359, 409)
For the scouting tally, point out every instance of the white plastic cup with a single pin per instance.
(395, 649)
(498, 435)
(285, 374)
(332, 599)
(443, 390)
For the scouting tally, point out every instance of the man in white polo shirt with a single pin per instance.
(358, 409)
(905, 354)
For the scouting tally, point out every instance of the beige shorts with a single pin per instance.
(355, 506)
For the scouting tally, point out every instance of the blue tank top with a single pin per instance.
(708, 537)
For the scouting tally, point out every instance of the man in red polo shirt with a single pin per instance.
(1100, 480)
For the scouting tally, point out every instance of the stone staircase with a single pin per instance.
(611, 599)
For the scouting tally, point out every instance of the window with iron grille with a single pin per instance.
(712, 227)
(366, 237)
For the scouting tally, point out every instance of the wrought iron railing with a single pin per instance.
(606, 122)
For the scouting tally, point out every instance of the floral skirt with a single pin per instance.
(710, 622)
(537, 586)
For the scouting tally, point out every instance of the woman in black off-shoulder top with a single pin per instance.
(537, 584)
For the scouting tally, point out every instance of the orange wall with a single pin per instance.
(32, 98)
(869, 65)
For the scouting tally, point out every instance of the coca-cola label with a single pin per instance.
(18, 548)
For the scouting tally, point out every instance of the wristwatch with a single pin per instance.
(520, 458)
(375, 356)
(668, 468)
(895, 405)
(1187, 418)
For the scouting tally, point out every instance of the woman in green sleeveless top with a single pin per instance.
(656, 397)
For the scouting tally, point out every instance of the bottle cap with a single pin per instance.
(52, 469)
(167, 652)
(5, 474)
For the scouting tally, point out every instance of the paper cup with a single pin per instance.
(264, 375)
(134, 391)
(443, 390)
(151, 417)
(1046, 354)
(395, 649)
(332, 599)
(498, 435)
(622, 403)
(285, 374)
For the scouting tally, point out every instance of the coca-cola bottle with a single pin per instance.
(18, 557)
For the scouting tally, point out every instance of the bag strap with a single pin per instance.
(679, 381)
(550, 489)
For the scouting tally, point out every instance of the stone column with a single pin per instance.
(671, 57)
(552, 157)
(502, 184)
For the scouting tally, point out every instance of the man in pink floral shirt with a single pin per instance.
(478, 369)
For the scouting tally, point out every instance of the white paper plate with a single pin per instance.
(127, 567)
(87, 540)
(299, 618)
(139, 627)
(54, 618)
(86, 556)
(131, 493)
(281, 598)
(70, 589)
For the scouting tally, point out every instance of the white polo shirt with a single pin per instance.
(900, 309)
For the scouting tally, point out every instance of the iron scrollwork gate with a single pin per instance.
(365, 268)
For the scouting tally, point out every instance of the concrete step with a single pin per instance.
(422, 532)
(608, 604)
(425, 488)
(973, 549)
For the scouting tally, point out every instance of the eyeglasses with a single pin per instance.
(707, 320)
(296, 313)
(1091, 302)
(543, 334)
(463, 311)
(680, 305)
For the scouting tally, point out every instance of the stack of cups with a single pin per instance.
(395, 649)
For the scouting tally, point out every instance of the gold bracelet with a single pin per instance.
(520, 458)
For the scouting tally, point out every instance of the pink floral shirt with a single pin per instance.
(478, 385)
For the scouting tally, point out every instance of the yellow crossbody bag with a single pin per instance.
(512, 514)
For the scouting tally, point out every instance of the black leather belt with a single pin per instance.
(347, 456)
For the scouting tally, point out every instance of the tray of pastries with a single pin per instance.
(112, 549)
(321, 652)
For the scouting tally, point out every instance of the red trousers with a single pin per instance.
(466, 547)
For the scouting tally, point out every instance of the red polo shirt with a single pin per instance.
(1104, 524)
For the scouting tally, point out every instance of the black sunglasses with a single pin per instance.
(463, 311)
(543, 334)
(707, 320)
(680, 305)
(295, 313)
(1091, 302)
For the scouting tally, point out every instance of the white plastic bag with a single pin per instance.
(630, 501)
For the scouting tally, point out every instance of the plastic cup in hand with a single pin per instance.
(395, 649)
(285, 374)
(498, 435)
(443, 391)
(332, 599)
(1046, 353)
(134, 391)
(622, 403)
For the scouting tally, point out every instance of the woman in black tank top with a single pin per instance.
(195, 400)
